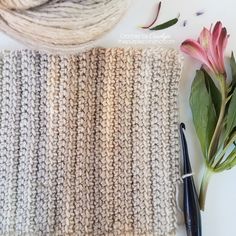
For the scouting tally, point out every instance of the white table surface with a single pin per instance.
(219, 216)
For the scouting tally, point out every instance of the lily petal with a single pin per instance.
(205, 38)
(223, 39)
(216, 32)
(195, 50)
(212, 52)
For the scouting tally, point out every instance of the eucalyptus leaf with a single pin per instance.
(203, 111)
(214, 92)
(233, 70)
(166, 25)
(231, 115)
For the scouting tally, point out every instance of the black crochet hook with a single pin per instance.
(192, 212)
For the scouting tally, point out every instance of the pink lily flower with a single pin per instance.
(209, 48)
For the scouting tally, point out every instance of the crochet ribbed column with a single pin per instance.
(89, 143)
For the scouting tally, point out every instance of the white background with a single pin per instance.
(220, 214)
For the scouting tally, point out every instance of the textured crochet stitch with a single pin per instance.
(89, 143)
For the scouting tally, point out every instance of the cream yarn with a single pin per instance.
(59, 25)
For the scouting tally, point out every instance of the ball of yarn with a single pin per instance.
(59, 25)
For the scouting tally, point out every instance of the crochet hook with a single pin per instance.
(191, 204)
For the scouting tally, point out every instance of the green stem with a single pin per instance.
(216, 135)
(204, 186)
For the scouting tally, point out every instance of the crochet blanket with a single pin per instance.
(89, 142)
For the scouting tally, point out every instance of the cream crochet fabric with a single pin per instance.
(89, 143)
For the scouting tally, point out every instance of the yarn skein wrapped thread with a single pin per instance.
(59, 25)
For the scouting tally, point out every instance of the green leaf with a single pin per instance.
(203, 111)
(228, 163)
(231, 115)
(233, 70)
(231, 164)
(214, 92)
